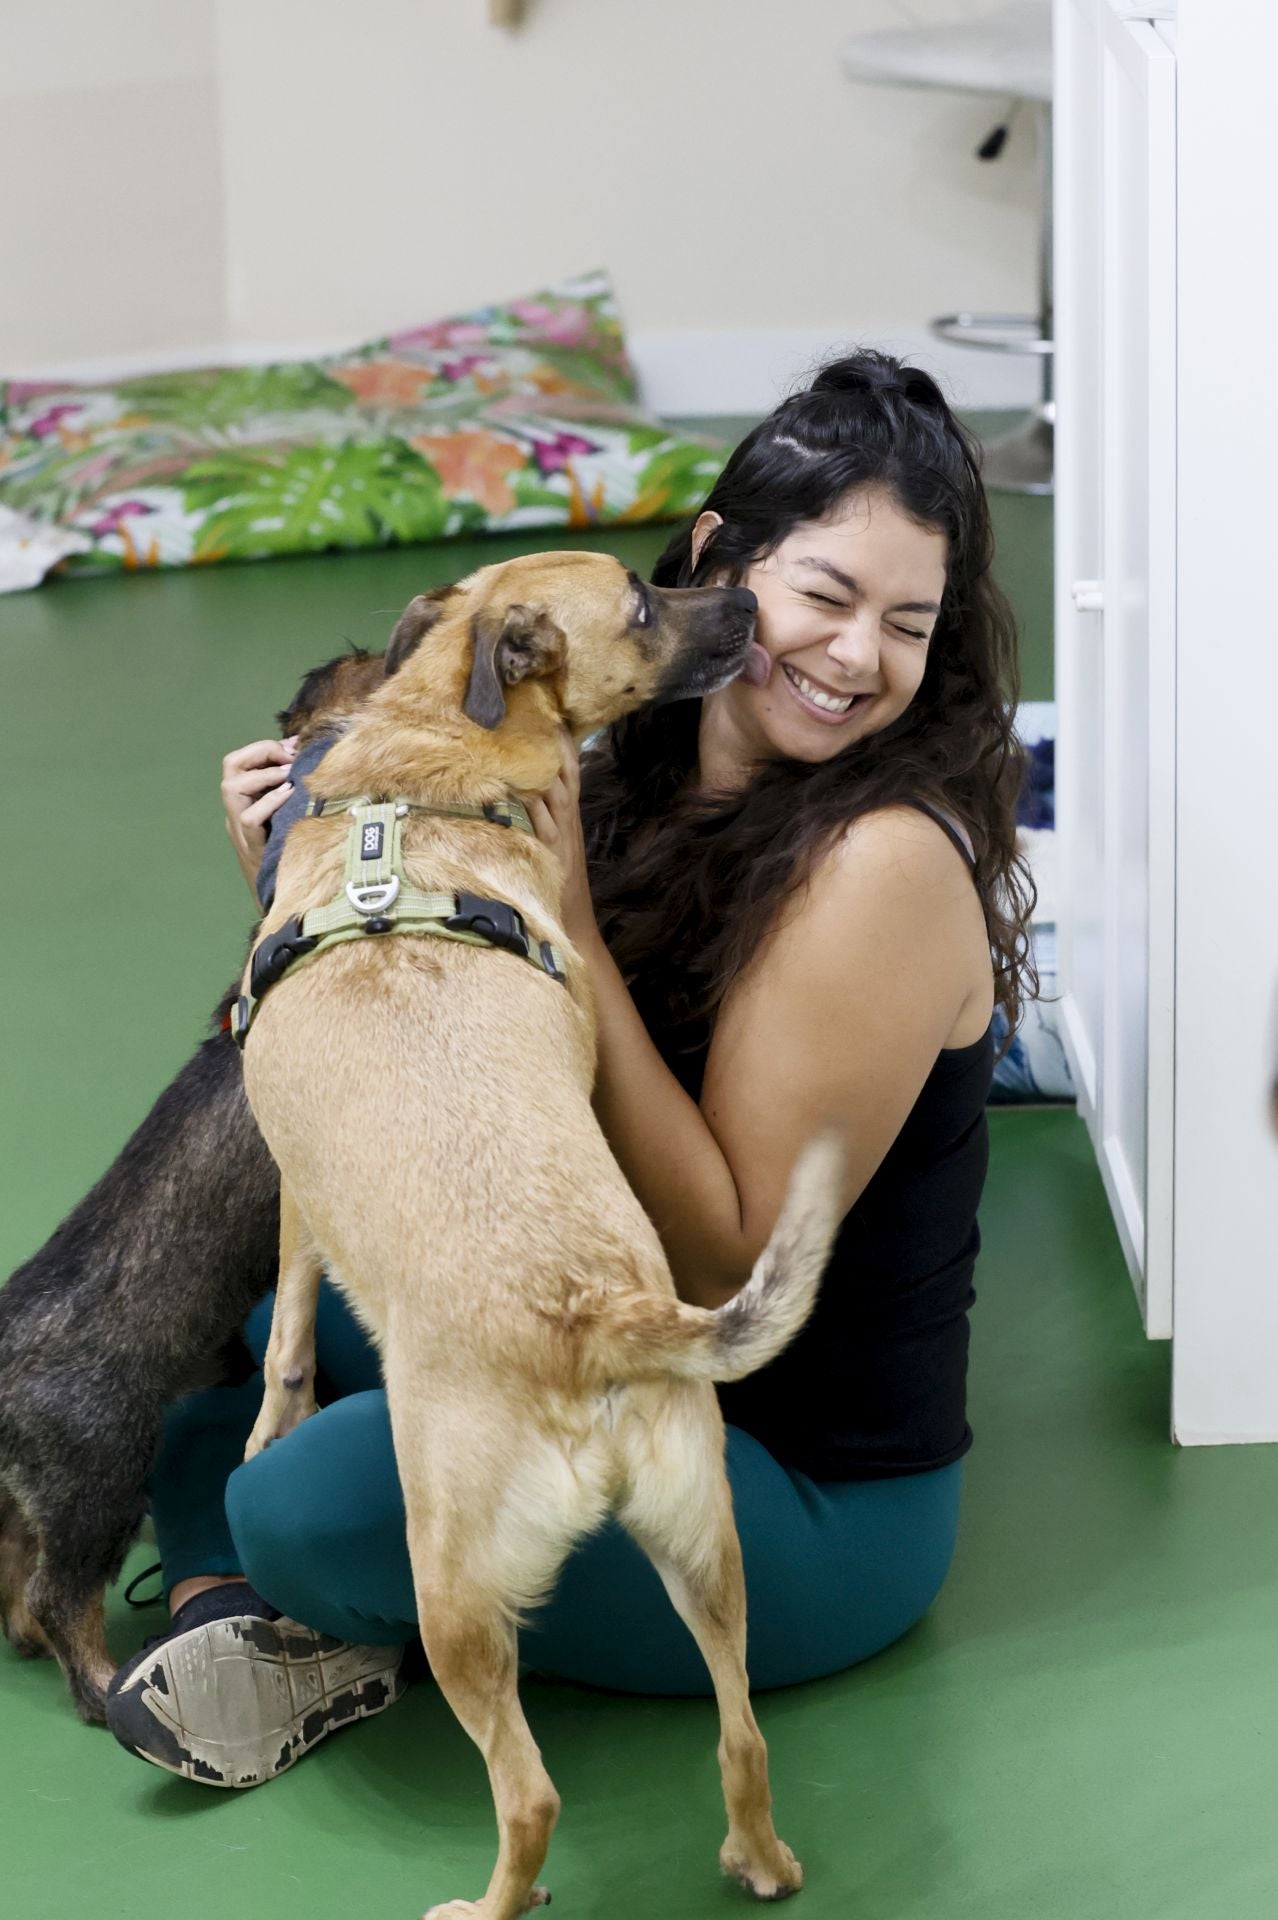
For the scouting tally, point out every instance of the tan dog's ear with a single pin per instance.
(414, 623)
(511, 645)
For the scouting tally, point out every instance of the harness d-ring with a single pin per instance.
(369, 897)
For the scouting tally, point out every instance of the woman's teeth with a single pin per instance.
(827, 701)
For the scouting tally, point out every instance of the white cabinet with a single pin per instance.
(1115, 238)
(1167, 668)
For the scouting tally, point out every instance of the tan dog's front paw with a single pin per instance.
(775, 1875)
(282, 1410)
(476, 1910)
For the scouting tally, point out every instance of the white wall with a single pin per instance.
(204, 173)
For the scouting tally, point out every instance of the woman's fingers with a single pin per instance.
(270, 803)
(542, 818)
(256, 780)
(259, 753)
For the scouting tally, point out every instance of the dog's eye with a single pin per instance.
(644, 615)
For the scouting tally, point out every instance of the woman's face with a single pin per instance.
(846, 610)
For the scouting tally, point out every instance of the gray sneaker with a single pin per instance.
(233, 1693)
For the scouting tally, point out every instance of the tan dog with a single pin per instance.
(429, 1106)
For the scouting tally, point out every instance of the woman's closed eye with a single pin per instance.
(824, 600)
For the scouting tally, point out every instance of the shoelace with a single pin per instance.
(153, 1600)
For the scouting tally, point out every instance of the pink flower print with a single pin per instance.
(113, 521)
(532, 312)
(460, 369)
(48, 423)
(552, 456)
(437, 337)
(567, 328)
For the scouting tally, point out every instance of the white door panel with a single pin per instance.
(1115, 612)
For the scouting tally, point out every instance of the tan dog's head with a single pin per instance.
(574, 639)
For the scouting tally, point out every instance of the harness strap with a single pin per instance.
(375, 899)
(500, 813)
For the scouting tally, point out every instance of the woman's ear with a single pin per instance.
(706, 524)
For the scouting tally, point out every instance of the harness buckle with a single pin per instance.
(548, 961)
(276, 955)
(370, 896)
(496, 921)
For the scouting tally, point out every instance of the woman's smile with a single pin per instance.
(820, 701)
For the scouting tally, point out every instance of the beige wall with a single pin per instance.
(112, 212)
(204, 172)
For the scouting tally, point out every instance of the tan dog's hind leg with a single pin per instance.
(494, 1503)
(290, 1353)
(679, 1509)
(473, 1655)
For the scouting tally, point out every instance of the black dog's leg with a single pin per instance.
(18, 1554)
(65, 1593)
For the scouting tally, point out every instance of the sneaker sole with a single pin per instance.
(236, 1702)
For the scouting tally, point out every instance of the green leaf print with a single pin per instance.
(314, 497)
(679, 475)
(226, 396)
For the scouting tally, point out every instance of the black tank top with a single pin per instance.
(876, 1384)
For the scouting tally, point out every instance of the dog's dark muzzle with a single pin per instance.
(718, 639)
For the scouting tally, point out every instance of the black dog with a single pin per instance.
(134, 1300)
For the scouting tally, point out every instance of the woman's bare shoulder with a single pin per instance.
(896, 855)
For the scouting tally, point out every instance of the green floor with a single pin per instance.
(1082, 1728)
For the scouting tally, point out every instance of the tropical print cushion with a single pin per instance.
(520, 415)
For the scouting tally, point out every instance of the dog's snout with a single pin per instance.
(744, 599)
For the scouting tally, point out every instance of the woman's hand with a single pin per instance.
(556, 817)
(255, 783)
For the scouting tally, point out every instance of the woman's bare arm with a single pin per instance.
(840, 1015)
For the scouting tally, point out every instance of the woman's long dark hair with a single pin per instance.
(684, 906)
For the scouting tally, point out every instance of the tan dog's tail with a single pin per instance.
(638, 1335)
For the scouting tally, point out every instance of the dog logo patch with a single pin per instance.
(371, 844)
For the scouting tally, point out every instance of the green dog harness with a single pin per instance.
(376, 898)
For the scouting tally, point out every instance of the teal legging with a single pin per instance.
(834, 1571)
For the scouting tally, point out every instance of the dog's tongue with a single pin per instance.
(758, 665)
